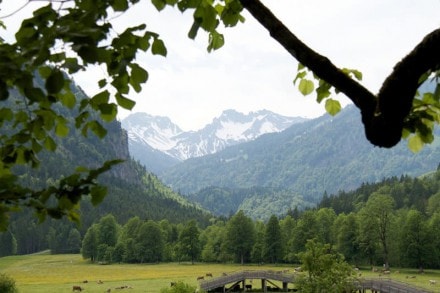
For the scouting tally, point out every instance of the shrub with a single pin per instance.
(7, 284)
(179, 287)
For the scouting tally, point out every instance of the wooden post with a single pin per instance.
(264, 285)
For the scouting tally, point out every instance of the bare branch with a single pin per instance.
(383, 115)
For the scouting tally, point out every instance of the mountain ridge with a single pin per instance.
(325, 154)
(158, 143)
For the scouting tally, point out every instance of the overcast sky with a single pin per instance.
(252, 71)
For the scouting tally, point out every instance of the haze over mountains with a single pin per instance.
(158, 143)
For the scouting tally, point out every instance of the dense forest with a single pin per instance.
(393, 222)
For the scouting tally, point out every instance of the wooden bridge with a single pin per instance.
(243, 281)
(233, 280)
(388, 286)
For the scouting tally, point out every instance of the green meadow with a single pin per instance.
(59, 273)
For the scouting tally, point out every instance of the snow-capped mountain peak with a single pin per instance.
(230, 128)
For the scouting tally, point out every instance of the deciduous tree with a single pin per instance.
(240, 236)
(326, 270)
(189, 242)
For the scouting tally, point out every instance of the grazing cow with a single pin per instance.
(172, 284)
(77, 288)
(209, 275)
(248, 287)
(386, 272)
(108, 290)
(224, 274)
(432, 282)
(100, 282)
(85, 281)
(200, 278)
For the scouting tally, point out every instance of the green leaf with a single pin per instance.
(55, 82)
(159, 48)
(306, 86)
(323, 92)
(72, 65)
(120, 5)
(20, 157)
(300, 75)
(415, 143)
(50, 144)
(193, 30)
(138, 74)
(100, 98)
(102, 83)
(125, 102)
(332, 106)
(108, 112)
(97, 129)
(207, 16)
(68, 99)
(159, 4)
(98, 194)
(61, 129)
(45, 71)
(357, 74)
(216, 41)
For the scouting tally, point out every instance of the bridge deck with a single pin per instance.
(246, 275)
(388, 286)
(378, 285)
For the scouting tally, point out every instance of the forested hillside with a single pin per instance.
(310, 158)
(132, 191)
(257, 202)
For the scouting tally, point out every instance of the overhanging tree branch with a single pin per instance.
(383, 115)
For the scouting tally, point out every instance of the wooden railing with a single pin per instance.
(388, 286)
(379, 285)
(243, 275)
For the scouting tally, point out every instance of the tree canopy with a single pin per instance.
(65, 37)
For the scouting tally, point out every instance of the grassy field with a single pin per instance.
(59, 273)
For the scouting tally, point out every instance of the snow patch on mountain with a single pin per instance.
(230, 128)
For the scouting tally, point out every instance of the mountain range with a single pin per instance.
(326, 154)
(158, 143)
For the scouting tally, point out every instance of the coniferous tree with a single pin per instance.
(273, 241)
(8, 244)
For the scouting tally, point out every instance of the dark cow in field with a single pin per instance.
(209, 275)
(77, 288)
(200, 278)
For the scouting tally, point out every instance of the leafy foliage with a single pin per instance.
(325, 270)
(179, 287)
(7, 284)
